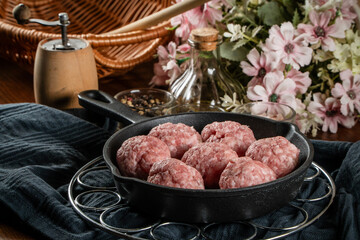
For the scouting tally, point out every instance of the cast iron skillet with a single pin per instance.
(198, 206)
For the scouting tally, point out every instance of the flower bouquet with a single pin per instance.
(305, 54)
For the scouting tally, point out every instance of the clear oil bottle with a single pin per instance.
(205, 81)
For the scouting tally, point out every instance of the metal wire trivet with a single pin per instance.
(85, 197)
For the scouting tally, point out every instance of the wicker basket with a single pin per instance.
(114, 54)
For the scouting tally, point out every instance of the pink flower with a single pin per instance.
(348, 14)
(184, 27)
(328, 109)
(322, 5)
(184, 48)
(348, 92)
(167, 61)
(302, 80)
(226, 4)
(172, 50)
(204, 15)
(163, 54)
(288, 47)
(320, 2)
(260, 66)
(184, 56)
(160, 76)
(320, 31)
(274, 89)
(300, 110)
(275, 111)
(173, 70)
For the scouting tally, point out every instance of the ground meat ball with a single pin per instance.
(179, 137)
(276, 152)
(237, 136)
(137, 154)
(245, 172)
(209, 159)
(174, 173)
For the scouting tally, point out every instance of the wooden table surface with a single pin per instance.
(16, 86)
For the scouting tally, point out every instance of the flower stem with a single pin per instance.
(250, 39)
(315, 86)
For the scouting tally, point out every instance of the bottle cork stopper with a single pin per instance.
(207, 38)
(204, 34)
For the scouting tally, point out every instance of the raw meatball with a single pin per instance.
(179, 137)
(209, 159)
(237, 136)
(172, 172)
(137, 154)
(245, 172)
(277, 152)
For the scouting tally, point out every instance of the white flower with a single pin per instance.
(305, 120)
(256, 2)
(342, 51)
(229, 103)
(355, 65)
(338, 66)
(322, 56)
(321, 5)
(229, 3)
(350, 35)
(235, 32)
(355, 46)
(347, 55)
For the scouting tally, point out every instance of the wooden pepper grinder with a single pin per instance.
(63, 66)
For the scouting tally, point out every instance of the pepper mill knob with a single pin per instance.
(21, 13)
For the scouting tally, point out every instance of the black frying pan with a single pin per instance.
(199, 206)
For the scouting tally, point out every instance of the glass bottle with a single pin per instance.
(204, 81)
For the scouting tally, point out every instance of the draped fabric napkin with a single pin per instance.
(42, 148)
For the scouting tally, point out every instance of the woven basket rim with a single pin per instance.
(114, 52)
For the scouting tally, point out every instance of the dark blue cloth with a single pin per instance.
(41, 149)
(342, 220)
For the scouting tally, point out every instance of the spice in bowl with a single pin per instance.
(146, 101)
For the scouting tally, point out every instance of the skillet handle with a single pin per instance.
(106, 105)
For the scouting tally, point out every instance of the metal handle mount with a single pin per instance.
(22, 15)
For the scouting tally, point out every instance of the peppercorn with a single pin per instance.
(145, 104)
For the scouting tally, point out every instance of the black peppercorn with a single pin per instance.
(145, 104)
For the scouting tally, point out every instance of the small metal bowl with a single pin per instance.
(157, 100)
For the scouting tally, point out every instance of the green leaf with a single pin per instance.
(226, 51)
(172, 28)
(271, 13)
(240, 43)
(289, 5)
(288, 67)
(180, 61)
(255, 31)
(296, 18)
